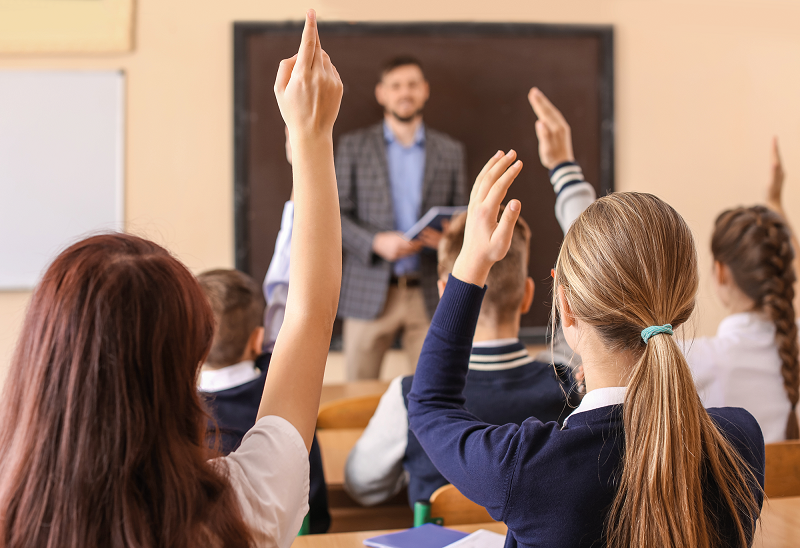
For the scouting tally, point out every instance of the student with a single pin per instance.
(752, 361)
(505, 384)
(102, 438)
(640, 462)
(231, 380)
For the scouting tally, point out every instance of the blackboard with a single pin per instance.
(479, 76)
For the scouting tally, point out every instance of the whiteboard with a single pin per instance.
(61, 166)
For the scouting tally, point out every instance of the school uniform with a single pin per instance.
(505, 384)
(552, 486)
(272, 492)
(740, 367)
(233, 395)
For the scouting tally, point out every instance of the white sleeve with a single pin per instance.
(700, 355)
(374, 470)
(276, 283)
(270, 474)
(573, 193)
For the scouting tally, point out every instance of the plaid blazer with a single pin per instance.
(365, 198)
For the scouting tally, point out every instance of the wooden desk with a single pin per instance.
(346, 514)
(353, 389)
(335, 445)
(780, 524)
(356, 540)
(780, 528)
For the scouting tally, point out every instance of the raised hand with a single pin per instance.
(308, 87)
(486, 240)
(309, 92)
(775, 187)
(555, 136)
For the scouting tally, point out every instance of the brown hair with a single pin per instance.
(506, 281)
(238, 305)
(627, 263)
(755, 243)
(102, 434)
(401, 61)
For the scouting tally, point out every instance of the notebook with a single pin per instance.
(481, 539)
(424, 536)
(433, 219)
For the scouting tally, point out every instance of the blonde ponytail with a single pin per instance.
(628, 263)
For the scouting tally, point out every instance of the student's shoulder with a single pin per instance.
(742, 430)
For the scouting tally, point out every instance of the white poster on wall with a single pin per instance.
(61, 166)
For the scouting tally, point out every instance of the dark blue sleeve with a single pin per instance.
(478, 458)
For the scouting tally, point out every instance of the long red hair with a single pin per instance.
(101, 429)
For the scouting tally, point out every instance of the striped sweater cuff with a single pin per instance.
(566, 174)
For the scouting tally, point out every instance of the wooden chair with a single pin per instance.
(782, 475)
(348, 413)
(448, 503)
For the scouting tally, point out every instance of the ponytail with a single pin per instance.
(755, 243)
(627, 263)
(671, 447)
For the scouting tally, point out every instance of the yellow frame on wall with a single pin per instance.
(66, 26)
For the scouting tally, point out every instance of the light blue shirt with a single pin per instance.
(406, 173)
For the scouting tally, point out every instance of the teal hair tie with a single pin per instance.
(655, 330)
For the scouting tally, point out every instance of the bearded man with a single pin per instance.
(389, 175)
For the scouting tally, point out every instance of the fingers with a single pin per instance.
(545, 110)
(494, 174)
(308, 43)
(543, 132)
(498, 191)
(776, 155)
(501, 238)
(284, 73)
(489, 165)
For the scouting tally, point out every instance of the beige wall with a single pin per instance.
(700, 87)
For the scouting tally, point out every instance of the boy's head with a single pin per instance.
(510, 289)
(238, 305)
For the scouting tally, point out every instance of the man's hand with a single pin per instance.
(308, 88)
(486, 240)
(430, 237)
(393, 246)
(555, 136)
(775, 188)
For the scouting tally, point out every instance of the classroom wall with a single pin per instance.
(701, 86)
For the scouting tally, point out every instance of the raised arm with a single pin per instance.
(573, 193)
(775, 203)
(468, 452)
(309, 92)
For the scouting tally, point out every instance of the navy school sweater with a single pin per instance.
(235, 411)
(552, 487)
(509, 387)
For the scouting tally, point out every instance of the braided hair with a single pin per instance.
(755, 243)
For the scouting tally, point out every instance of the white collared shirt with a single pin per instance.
(216, 380)
(740, 367)
(599, 397)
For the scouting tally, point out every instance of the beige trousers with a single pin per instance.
(367, 341)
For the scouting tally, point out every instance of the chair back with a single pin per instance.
(448, 503)
(348, 412)
(782, 475)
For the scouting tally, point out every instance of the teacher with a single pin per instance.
(389, 175)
